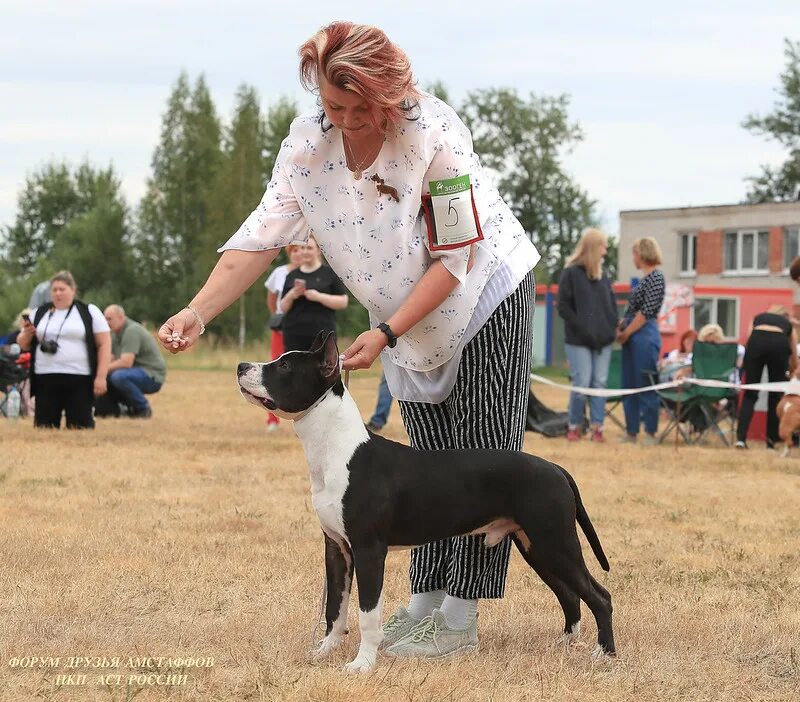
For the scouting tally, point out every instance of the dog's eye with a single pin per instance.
(283, 365)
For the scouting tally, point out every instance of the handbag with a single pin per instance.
(276, 321)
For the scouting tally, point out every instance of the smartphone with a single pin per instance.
(300, 283)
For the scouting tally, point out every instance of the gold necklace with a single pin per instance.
(358, 166)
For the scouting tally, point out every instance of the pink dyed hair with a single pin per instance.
(361, 58)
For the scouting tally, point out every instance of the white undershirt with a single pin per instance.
(72, 356)
(435, 385)
(275, 283)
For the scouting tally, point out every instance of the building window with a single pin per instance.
(717, 310)
(688, 252)
(791, 245)
(747, 252)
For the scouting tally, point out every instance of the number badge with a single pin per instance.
(450, 214)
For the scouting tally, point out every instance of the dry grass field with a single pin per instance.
(192, 535)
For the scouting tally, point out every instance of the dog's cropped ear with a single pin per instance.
(330, 356)
(316, 345)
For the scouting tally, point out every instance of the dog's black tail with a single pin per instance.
(586, 523)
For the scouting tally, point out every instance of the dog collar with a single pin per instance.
(315, 405)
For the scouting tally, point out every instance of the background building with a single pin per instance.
(734, 258)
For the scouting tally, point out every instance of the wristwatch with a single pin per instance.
(386, 329)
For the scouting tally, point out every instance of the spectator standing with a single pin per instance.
(137, 368)
(311, 295)
(771, 344)
(382, 407)
(641, 341)
(274, 286)
(588, 306)
(70, 345)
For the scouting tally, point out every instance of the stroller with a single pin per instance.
(14, 368)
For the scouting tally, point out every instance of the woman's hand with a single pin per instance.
(622, 337)
(364, 350)
(312, 295)
(100, 386)
(179, 332)
(25, 336)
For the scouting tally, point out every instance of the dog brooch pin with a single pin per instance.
(384, 189)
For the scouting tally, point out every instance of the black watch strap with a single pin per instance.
(386, 329)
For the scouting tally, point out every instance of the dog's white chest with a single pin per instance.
(327, 504)
(330, 435)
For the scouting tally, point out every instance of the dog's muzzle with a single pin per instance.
(251, 386)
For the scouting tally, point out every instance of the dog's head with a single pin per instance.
(291, 384)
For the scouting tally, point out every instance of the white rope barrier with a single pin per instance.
(791, 387)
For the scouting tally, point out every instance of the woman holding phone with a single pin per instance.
(311, 295)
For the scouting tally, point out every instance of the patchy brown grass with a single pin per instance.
(192, 534)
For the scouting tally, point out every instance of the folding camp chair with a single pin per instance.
(703, 408)
(11, 374)
(614, 382)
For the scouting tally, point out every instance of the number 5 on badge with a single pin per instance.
(450, 214)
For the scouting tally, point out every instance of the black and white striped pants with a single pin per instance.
(486, 409)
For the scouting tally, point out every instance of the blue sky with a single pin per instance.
(659, 91)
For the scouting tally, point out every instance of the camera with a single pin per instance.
(49, 346)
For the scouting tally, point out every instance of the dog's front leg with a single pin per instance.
(370, 560)
(339, 578)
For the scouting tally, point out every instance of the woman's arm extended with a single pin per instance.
(234, 273)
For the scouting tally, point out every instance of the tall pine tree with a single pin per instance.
(237, 189)
(173, 215)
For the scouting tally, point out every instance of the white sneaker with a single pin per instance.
(433, 638)
(397, 626)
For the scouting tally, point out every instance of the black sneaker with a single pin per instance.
(145, 413)
(740, 445)
(373, 427)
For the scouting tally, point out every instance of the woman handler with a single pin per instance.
(450, 294)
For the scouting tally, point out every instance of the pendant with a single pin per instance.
(356, 175)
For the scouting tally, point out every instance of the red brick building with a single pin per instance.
(734, 257)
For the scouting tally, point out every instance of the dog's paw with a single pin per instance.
(600, 655)
(568, 638)
(327, 645)
(361, 664)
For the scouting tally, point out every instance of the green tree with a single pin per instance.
(74, 219)
(523, 142)
(612, 258)
(276, 128)
(173, 215)
(47, 202)
(95, 244)
(237, 189)
(439, 89)
(782, 125)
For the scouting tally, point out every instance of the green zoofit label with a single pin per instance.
(451, 186)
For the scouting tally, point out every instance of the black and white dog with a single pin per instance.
(372, 494)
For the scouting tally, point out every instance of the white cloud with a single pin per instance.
(660, 90)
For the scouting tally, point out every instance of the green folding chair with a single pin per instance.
(614, 382)
(699, 407)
